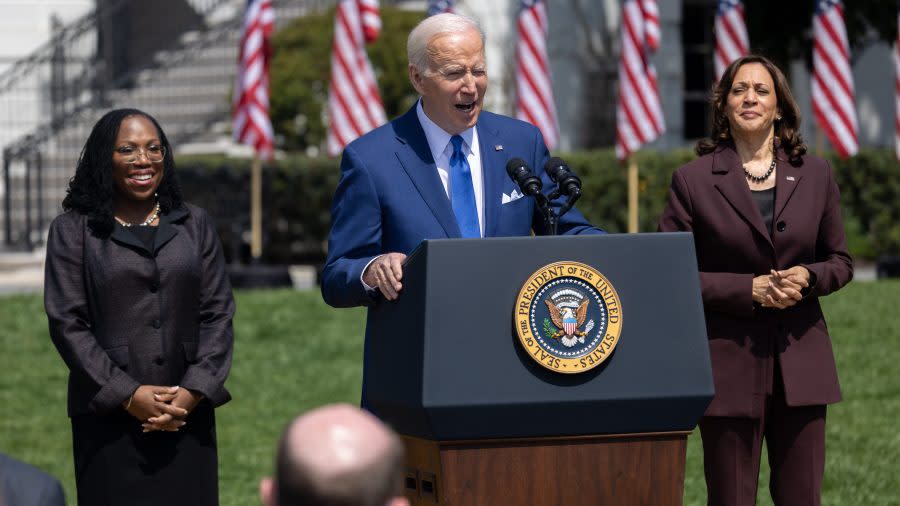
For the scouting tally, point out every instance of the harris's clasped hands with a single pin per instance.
(781, 289)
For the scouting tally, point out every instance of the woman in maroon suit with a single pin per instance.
(767, 227)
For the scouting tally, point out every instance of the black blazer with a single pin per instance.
(122, 316)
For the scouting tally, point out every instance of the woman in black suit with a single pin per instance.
(140, 309)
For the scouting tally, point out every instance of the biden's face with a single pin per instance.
(453, 85)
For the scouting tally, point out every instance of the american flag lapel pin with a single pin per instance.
(790, 178)
(498, 147)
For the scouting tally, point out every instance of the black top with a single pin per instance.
(765, 201)
(144, 234)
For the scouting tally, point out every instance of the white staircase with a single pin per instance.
(188, 91)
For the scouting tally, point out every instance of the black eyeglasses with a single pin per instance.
(131, 154)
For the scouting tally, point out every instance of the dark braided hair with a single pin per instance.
(91, 190)
(787, 129)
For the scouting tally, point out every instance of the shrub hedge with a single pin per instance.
(298, 191)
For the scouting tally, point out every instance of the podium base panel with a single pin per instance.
(622, 469)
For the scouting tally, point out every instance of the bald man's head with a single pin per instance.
(338, 455)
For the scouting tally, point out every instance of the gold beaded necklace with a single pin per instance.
(145, 223)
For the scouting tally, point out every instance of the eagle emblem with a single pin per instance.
(568, 317)
(568, 311)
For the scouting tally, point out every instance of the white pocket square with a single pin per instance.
(513, 196)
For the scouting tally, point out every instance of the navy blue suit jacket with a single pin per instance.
(390, 197)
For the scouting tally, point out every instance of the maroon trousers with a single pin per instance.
(795, 440)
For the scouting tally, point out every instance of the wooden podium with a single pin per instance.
(619, 469)
(484, 424)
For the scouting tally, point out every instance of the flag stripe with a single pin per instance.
(354, 104)
(832, 100)
(250, 115)
(639, 76)
(639, 111)
(534, 88)
(353, 72)
(537, 86)
(651, 23)
(732, 41)
(833, 96)
(829, 69)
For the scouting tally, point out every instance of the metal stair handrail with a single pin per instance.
(41, 72)
(86, 96)
(44, 53)
(81, 90)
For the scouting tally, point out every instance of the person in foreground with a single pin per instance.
(337, 455)
(769, 238)
(140, 308)
(438, 171)
(24, 485)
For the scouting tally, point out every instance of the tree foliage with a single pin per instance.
(783, 29)
(300, 71)
(298, 191)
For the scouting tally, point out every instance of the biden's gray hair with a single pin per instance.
(432, 26)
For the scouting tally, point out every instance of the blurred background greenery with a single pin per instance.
(299, 189)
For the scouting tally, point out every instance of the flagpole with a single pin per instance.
(632, 195)
(256, 208)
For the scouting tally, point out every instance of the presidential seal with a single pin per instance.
(568, 317)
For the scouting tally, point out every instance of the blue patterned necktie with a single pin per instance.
(462, 191)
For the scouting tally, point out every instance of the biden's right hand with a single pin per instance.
(385, 273)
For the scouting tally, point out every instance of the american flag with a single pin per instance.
(732, 41)
(639, 117)
(439, 6)
(897, 89)
(833, 99)
(534, 91)
(250, 115)
(354, 105)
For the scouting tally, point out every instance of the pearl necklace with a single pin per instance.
(760, 179)
(146, 222)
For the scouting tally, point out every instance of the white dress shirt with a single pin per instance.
(441, 150)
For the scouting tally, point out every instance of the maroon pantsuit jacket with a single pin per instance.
(710, 198)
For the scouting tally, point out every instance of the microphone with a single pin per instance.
(563, 176)
(530, 184)
(520, 173)
(566, 182)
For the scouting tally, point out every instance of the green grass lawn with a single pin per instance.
(293, 352)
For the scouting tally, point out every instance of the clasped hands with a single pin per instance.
(161, 408)
(781, 289)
